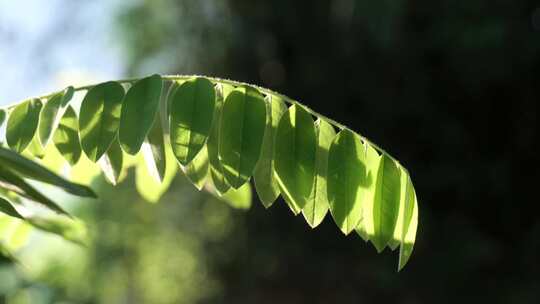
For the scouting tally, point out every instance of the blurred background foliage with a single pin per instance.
(450, 88)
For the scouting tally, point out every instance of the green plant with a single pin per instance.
(221, 133)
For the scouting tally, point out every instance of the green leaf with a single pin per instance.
(66, 137)
(216, 168)
(238, 198)
(22, 124)
(266, 183)
(138, 112)
(346, 178)
(409, 224)
(365, 227)
(35, 149)
(295, 149)
(192, 112)
(50, 115)
(112, 163)
(7, 208)
(3, 116)
(148, 187)
(170, 94)
(317, 205)
(99, 118)
(197, 170)
(28, 191)
(153, 150)
(243, 122)
(386, 202)
(32, 170)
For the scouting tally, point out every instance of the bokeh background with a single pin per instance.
(450, 88)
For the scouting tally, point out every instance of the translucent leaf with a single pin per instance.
(148, 187)
(22, 124)
(32, 170)
(386, 202)
(317, 206)
(295, 148)
(34, 149)
(138, 113)
(192, 112)
(365, 227)
(153, 150)
(66, 137)
(24, 189)
(99, 118)
(242, 131)
(50, 115)
(410, 224)
(346, 177)
(216, 168)
(266, 183)
(238, 198)
(112, 163)
(197, 170)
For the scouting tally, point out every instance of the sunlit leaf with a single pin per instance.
(197, 170)
(192, 112)
(50, 115)
(410, 224)
(386, 202)
(139, 110)
(216, 168)
(150, 189)
(242, 131)
(32, 170)
(66, 137)
(3, 116)
(238, 198)
(346, 177)
(365, 227)
(266, 183)
(34, 149)
(317, 205)
(153, 150)
(295, 149)
(99, 118)
(112, 163)
(22, 124)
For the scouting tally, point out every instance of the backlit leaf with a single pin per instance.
(242, 130)
(197, 170)
(317, 205)
(238, 198)
(112, 163)
(266, 183)
(139, 110)
(386, 202)
(99, 118)
(3, 116)
(216, 168)
(50, 115)
(153, 150)
(66, 137)
(7, 208)
(365, 227)
(295, 149)
(346, 177)
(22, 124)
(150, 189)
(410, 224)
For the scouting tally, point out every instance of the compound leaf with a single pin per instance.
(52, 112)
(66, 137)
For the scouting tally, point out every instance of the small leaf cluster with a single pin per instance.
(222, 134)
